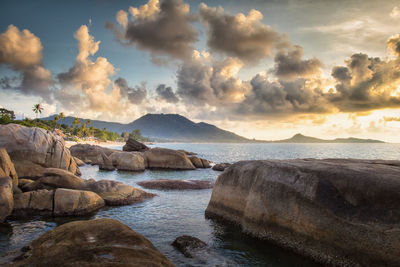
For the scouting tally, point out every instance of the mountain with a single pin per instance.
(299, 138)
(166, 127)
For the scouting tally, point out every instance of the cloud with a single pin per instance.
(395, 13)
(391, 119)
(162, 28)
(245, 37)
(291, 65)
(135, 95)
(393, 45)
(22, 52)
(166, 93)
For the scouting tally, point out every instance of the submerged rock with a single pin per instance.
(163, 158)
(221, 166)
(165, 184)
(6, 197)
(336, 211)
(101, 242)
(189, 245)
(133, 145)
(33, 149)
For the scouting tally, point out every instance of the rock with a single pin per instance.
(105, 163)
(116, 193)
(128, 161)
(38, 202)
(6, 197)
(55, 178)
(189, 245)
(165, 184)
(133, 145)
(206, 163)
(33, 149)
(338, 212)
(187, 153)
(221, 166)
(79, 162)
(162, 158)
(75, 202)
(90, 153)
(196, 162)
(7, 167)
(23, 182)
(101, 242)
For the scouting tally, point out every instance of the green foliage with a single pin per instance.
(10, 113)
(5, 119)
(137, 135)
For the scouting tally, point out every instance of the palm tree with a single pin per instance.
(76, 121)
(56, 118)
(61, 116)
(37, 108)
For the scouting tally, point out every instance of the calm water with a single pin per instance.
(175, 213)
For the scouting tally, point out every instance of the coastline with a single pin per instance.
(98, 143)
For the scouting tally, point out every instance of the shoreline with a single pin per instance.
(98, 143)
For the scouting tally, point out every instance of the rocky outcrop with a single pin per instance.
(55, 178)
(38, 202)
(128, 161)
(115, 193)
(342, 212)
(164, 184)
(79, 162)
(187, 153)
(221, 166)
(163, 158)
(101, 242)
(189, 245)
(7, 167)
(6, 197)
(133, 145)
(90, 153)
(33, 149)
(105, 163)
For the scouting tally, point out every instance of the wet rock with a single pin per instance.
(164, 184)
(7, 167)
(75, 202)
(116, 193)
(189, 245)
(6, 197)
(128, 161)
(101, 242)
(335, 211)
(55, 178)
(133, 145)
(33, 149)
(221, 166)
(162, 158)
(90, 153)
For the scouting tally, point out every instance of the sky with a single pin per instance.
(262, 69)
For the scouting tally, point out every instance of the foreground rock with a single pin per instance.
(115, 193)
(33, 149)
(221, 166)
(6, 197)
(90, 153)
(164, 184)
(189, 245)
(102, 242)
(342, 212)
(133, 145)
(7, 167)
(163, 158)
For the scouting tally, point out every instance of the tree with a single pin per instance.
(37, 108)
(61, 116)
(5, 119)
(76, 121)
(56, 118)
(125, 136)
(10, 113)
(136, 134)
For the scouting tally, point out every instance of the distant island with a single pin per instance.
(177, 128)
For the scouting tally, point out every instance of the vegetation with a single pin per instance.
(37, 108)
(136, 134)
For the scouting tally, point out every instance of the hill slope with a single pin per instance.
(299, 138)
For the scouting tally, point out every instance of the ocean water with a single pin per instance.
(174, 213)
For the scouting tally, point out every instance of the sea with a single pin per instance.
(175, 213)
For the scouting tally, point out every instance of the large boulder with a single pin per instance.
(33, 149)
(6, 197)
(341, 212)
(55, 178)
(128, 161)
(116, 193)
(101, 242)
(38, 202)
(90, 153)
(75, 202)
(105, 163)
(189, 245)
(163, 158)
(133, 145)
(7, 167)
(165, 184)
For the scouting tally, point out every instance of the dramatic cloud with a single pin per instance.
(245, 37)
(22, 52)
(166, 93)
(163, 28)
(135, 95)
(291, 65)
(393, 45)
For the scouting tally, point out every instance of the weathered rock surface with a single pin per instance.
(90, 153)
(102, 242)
(33, 149)
(38, 202)
(189, 245)
(24, 182)
(187, 153)
(116, 193)
(165, 184)
(133, 145)
(128, 161)
(336, 211)
(7, 167)
(75, 202)
(163, 158)
(6, 197)
(221, 166)
(55, 178)
(105, 163)
(79, 162)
